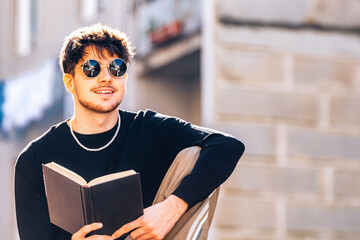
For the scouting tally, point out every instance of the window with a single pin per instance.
(27, 26)
(89, 10)
(103, 5)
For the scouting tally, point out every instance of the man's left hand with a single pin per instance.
(157, 220)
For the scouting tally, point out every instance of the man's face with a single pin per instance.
(101, 94)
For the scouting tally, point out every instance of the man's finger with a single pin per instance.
(137, 233)
(127, 228)
(147, 237)
(87, 229)
(99, 237)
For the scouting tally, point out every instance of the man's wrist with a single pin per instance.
(179, 205)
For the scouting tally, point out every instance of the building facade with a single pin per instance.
(285, 79)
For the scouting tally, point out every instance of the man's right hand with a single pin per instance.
(80, 235)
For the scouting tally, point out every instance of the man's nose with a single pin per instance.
(104, 75)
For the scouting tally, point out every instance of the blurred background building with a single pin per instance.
(282, 76)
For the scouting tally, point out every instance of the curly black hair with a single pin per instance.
(99, 36)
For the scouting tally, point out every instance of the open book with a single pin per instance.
(113, 199)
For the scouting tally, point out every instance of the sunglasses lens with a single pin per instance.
(91, 68)
(117, 67)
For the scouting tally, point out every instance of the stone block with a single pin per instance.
(346, 183)
(302, 41)
(318, 217)
(338, 13)
(234, 212)
(259, 140)
(294, 11)
(306, 143)
(250, 66)
(325, 72)
(244, 234)
(268, 104)
(275, 179)
(321, 235)
(345, 109)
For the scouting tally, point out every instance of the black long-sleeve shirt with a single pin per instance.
(147, 142)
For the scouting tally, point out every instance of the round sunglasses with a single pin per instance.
(92, 68)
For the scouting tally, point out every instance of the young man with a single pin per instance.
(100, 139)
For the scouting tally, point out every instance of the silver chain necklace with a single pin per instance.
(100, 148)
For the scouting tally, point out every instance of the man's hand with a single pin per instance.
(80, 235)
(157, 220)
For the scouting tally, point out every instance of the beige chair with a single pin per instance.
(195, 223)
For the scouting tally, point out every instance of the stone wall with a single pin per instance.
(287, 83)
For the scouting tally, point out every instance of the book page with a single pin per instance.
(67, 173)
(110, 177)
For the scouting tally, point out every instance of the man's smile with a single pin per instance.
(104, 90)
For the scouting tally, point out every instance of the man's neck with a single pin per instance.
(92, 122)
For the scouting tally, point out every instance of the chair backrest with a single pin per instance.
(196, 221)
(204, 215)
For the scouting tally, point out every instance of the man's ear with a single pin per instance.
(69, 82)
(126, 77)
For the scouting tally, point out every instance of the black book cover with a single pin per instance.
(113, 200)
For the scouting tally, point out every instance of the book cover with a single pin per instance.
(113, 199)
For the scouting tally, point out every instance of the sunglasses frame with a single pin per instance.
(101, 66)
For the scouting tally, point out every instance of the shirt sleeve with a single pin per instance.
(218, 157)
(30, 200)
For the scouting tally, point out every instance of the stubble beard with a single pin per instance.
(97, 108)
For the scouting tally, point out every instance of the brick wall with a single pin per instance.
(287, 83)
